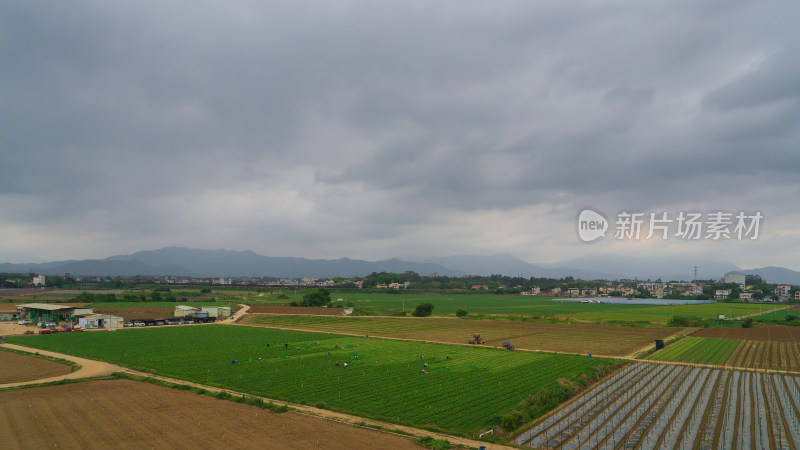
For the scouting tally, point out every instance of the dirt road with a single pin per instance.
(88, 368)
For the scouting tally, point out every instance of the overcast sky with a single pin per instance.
(382, 129)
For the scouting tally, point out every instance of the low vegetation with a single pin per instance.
(402, 382)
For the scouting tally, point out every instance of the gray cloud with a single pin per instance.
(374, 129)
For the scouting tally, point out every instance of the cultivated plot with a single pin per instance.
(455, 389)
(128, 414)
(666, 406)
(15, 367)
(697, 350)
(570, 338)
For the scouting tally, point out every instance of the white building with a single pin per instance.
(216, 311)
(722, 294)
(735, 277)
(695, 290)
(100, 321)
(185, 311)
(39, 280)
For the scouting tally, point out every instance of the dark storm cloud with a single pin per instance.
(303, 123)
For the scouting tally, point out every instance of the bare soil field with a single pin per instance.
(15, 367)
(776, 333)
(296, 310)
(569, 338)
(129, 414)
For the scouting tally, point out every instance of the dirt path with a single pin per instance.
(88, 368)
(92, 368)
(239, 315)
(763, 313)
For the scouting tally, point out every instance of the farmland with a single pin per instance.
(771, 347)
(698, 350)
(18, 367)
(129, 414)
(520, 305)
(383, 380)
(666, 406)
(570, 338)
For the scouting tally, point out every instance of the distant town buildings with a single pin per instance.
(783, 291)
(722, 294)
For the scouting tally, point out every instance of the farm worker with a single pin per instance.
(285, 345)
(267, 345)
(345, 365)
(484, 367)
(329, 353)
(425, 365)
(234, 361)
(298, 348)
(259, 359)
(420, 356)
(448, 356)
(424, 371)
(337, 363)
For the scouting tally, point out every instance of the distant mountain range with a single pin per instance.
(180, 261)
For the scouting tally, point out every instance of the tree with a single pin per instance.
(423, 310)
(461, 313)
(747, 323)
(317, 297)
(752, 280)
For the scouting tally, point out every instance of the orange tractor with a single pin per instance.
(476, 339)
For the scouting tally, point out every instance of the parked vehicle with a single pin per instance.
(25, 322)
(127, 324)
(139, 324)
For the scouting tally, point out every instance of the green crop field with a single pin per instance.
(697, 350)
(488, 304)
(384, 379)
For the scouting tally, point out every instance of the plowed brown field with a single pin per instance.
(15, 367)
(570, 338)
(129, 414)
(777, 333)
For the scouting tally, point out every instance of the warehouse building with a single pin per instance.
(217, 311)
(48, 312)
(186, 311)
(100, 321)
